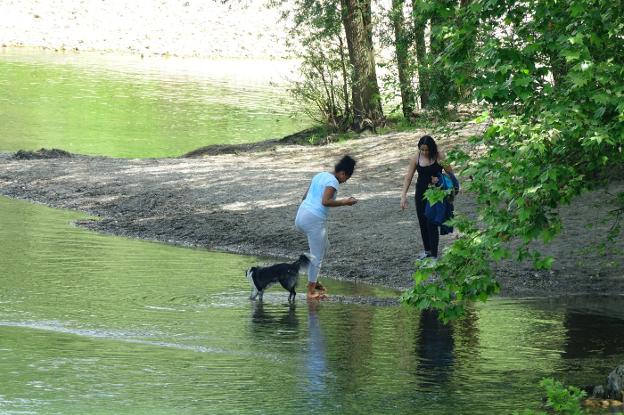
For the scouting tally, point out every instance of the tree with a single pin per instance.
(321, 30)
(402, 43)
(325, 85)
(420, 21)
(552, 74)
(317, 38)
(358, 27)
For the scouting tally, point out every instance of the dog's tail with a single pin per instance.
(249, 274)
(304, 260)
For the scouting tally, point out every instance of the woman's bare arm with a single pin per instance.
(328, 199)
(407, 181)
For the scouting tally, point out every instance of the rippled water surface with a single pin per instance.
(132, 107)
(98, 324)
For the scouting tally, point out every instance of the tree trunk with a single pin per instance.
(404, 67)
(441, 89)
(420, 21)
(366, 99)
(468, 48)
(345, 78)
(438, 20)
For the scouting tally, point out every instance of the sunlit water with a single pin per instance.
(98, 324)
(132, 107)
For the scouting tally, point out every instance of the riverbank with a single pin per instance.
(210, 29)
(245, 202)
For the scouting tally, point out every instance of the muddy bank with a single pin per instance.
(245, 202)
(300, 138)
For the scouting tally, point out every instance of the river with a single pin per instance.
(91, 323)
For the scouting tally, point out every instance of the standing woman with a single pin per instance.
(312, 216)
(428, 162)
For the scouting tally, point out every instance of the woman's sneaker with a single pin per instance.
(423, 255)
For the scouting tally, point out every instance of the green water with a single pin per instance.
(93, 324)
(134, 108)
(105, 325)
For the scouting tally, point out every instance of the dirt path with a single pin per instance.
(246, 203)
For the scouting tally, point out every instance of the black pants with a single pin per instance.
(430, 233)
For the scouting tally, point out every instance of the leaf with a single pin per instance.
(521, 80)
(532, 190)
(576, 39)
(500, 253)
(422, 274)
(544, 263)
(601, 98)
(435, 195)
(579, 79)
(485, 115)
(571, 55)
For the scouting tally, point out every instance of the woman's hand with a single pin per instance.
(350, 201)
(403, 202)
(435, 180)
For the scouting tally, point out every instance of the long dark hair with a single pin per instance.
(431, 144)
(346, 164)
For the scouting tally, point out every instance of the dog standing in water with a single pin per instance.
(286, 274)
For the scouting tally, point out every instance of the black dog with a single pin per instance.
(286, 274)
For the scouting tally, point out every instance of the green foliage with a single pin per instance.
(322, 88)
(563, 400)
(317, 38)
(437, 285)
(552, 74)
(560, 399)
(435, 195)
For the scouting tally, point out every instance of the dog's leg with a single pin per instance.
(289, 282)
(254, 290)
(260, 293)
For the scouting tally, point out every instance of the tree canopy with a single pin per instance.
(552, 75)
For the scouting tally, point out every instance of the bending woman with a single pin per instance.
(428, 162)
(312, 216)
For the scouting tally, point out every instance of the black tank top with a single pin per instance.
(425, 173)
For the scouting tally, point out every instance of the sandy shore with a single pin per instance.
(185, 28)
(246, 203)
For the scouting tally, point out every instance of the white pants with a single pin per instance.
(315, 230)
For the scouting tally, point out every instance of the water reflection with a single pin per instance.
(315, 358)
(285, 321)
(435, 350)
(466, 333)
(592, 335)
(148, 328)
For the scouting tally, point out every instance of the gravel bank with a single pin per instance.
(246, 203)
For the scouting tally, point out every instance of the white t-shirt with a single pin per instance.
(313, 202)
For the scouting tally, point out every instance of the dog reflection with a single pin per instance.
(272, 321)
